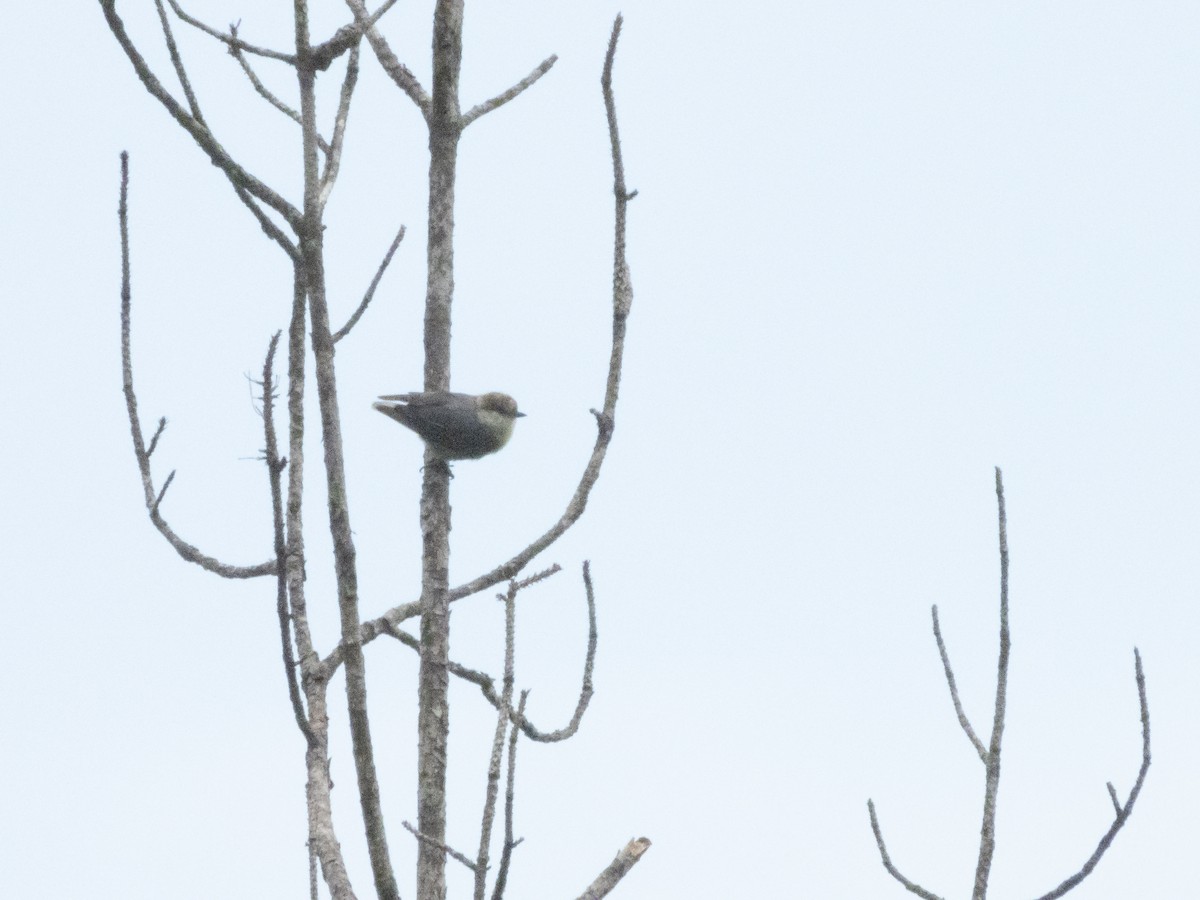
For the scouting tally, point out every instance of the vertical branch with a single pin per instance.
(275, 467)
(294, 560)
(987, 839)
(317, 792)
(509, 797)
(312, 253)
(321, 837)
(505, 710)
(444, 130)
(622, 285)
(433, 719)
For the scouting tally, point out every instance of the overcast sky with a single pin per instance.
(878, 249)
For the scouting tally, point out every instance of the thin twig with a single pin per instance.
(482, 109)
(617, 869)
(231, 42)
(370, 294)
(268, 226)
(333, 157)
(177, 62)
(262, 90)
(958, 708)
(485, 681)
(162, 492)
(911, 886)
(153, 499)
(1112, 795)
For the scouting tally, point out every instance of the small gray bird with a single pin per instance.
(455, 426)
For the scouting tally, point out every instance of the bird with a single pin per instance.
(454, 426)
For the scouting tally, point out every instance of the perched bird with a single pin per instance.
(455, 426)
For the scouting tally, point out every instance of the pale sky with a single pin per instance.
(878, 249)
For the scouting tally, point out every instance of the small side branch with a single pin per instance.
(333, 158)
(445, 848)
(1123, 810)
(141, 453)
(370, 294)
(617, 869)
(911, 886)
(268, 226)
(512, 93)
(958, 708)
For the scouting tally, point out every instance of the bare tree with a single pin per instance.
(989, 755)
(299, 232)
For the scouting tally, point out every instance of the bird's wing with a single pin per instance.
(427, 398)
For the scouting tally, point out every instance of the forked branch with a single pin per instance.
(396, 70)
(991, 754)
(238, 176)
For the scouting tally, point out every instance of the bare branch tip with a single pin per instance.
(162, 425)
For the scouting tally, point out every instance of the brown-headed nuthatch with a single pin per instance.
(455, 426)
